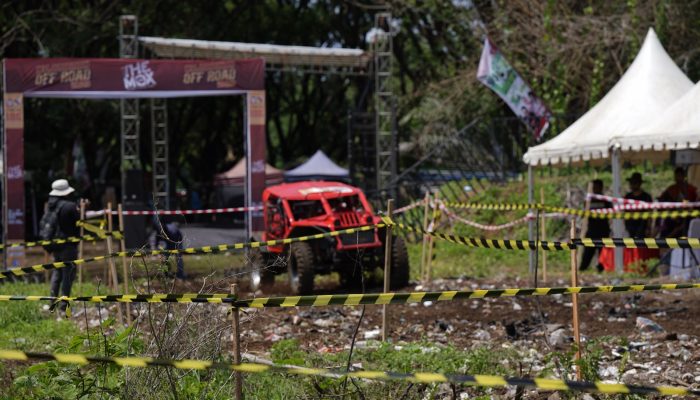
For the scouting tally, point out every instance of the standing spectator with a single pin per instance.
(169, 237)
(59, 222)
(680, 191)
(637, 228)
(597, 228)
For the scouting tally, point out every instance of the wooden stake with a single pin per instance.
(543, 237)
(431, 240)
(81, 247)
(574, 300)
(426, 211)
(125, 270)
(238, 377)
(387, 266)
(110, 261)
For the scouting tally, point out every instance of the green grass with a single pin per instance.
(407, 358)
(25, 326)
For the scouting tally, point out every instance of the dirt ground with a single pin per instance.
(663, 352)
(666, 353)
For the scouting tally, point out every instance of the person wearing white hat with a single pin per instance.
(59, 222)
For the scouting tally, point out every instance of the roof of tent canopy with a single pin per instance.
(651, 84)
(677, 128)
(276, 56)
(319, 166)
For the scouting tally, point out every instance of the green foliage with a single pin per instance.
(288, 352)
(24, 325)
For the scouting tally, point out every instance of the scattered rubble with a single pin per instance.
(643, 338)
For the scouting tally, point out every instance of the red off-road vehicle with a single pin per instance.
(307, 208)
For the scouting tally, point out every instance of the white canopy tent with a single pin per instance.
(677, 128)
(651, 84)
(317, 167)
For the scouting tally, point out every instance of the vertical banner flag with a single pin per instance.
(495, 72)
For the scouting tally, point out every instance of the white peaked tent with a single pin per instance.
(677, 128)
(318, 167)
(649, 86)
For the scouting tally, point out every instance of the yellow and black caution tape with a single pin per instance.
(625, 214)
(495, 206)
(132, 298)
(70, 239)
(19, 271)
(514, 244)
(579, 213)
(418, 377)
(353, 299)
(98, 230)
(449, 295)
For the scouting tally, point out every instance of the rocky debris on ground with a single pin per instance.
(536, 329)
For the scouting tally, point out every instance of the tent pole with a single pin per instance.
(618, 226)
(532, 222)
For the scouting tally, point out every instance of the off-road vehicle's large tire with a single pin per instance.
(399, 263)
(301, 268)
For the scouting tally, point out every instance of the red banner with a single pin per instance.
(127, 78)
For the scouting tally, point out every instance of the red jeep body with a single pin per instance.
(303, 208)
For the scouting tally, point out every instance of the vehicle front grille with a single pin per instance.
(348, 219)
(353, 239)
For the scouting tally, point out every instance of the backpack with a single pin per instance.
(49, 227)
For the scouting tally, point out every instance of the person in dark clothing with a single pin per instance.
(597, 227)
(169, 235)
(637, 228)
(60, 199)
(681, 191)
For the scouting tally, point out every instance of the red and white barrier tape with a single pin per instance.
(621, 203)
(409, 207)
(465, 221)
(98, 213)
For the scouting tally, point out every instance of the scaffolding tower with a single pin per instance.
(130, 122)
(131, 125)
(386, 140)
(159, 140)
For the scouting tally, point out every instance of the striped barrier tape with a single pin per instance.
(500, 207)
(19, 271)
(632, 204)
(450, 214)
(613, 214)
(449, 295)
(513, 244)
(418, 377)
(70, 239)
(352, 299)
(191, 212)
(610, 213)
(409, 207)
